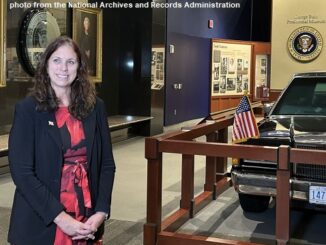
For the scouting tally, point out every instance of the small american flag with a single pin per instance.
(244, 124)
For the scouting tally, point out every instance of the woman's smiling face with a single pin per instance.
(62, 67)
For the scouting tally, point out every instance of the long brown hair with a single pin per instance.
(82, 96)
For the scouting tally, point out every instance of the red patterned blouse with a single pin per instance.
(74, 192)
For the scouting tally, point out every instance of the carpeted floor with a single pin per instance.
(4, 221)
(118, 232)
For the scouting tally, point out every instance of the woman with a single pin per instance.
(87, 46)
(60, 155)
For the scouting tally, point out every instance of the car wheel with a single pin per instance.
(252, 203)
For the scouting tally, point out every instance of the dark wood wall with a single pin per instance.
(126, 61)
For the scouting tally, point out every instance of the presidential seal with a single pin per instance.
(39, 27)
(305, 44)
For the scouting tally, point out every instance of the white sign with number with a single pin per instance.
(317, 194)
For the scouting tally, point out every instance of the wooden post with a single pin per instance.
(154, 191)
(283, 197)
(210, 175)
(221, 162)
(187, 184)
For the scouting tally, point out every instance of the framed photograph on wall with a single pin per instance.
(3, 31)
(87, 32)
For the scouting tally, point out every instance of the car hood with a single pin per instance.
(307, 128)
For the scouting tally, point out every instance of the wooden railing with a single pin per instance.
(216, 150)
(289, 155)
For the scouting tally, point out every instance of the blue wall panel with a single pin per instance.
(189, 65)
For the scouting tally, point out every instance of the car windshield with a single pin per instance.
(304, 96)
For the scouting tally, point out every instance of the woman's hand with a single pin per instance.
(94, 222)
(72, 227)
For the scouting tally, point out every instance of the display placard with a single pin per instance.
(262, 74)
(230, 68)
(158, 60)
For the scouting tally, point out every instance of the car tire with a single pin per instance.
(253, 203)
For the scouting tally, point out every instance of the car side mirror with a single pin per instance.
(267, 108)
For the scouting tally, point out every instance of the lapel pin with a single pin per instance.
(51, 123)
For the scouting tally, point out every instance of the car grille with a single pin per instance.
(310, 171)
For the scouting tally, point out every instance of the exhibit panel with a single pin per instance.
(262, 71)
(231, 73)
(158, 61)
(238, 67)
(231, 68)
(261, 76)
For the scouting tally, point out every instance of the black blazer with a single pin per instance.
(35, 160)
